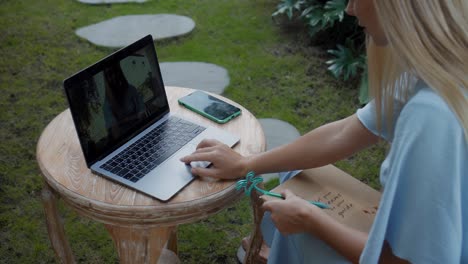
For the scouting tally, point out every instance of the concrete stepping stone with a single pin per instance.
(123, 30)
(277, 133)
(97, 2)
(197, 75)
(168, 257)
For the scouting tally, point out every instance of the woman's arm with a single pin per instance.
(321, 146)
(324, 145)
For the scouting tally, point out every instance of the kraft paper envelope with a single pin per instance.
(352, 202)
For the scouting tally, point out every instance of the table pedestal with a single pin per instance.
(140, 245)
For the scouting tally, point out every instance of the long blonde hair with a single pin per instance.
(427, 39)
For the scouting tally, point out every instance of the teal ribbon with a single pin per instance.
(251, 181)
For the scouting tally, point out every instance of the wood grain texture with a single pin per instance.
(136, 245)
(61, 161)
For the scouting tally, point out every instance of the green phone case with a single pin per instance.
(212, 118)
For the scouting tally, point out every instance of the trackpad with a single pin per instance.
(170, 177)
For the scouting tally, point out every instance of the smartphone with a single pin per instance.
(210, 107)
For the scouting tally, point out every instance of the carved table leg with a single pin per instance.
(55, 226)
(256, 238)
(139, 245)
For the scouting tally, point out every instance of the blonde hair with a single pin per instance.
(427, 39)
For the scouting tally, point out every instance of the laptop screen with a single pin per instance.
(116, 98)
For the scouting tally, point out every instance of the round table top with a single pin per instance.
(63, 166)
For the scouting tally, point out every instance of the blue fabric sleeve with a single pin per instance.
(367, 116)
(423, 203)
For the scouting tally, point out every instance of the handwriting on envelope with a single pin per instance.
(345, 210)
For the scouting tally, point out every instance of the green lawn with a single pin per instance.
(274, 73)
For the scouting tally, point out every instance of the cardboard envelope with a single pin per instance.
(352, 202)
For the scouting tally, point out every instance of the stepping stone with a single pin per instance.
(168, 257)
(95, 2)
(197, 75)
(123, 30)
(277, 133)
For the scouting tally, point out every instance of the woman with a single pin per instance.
(418, 68)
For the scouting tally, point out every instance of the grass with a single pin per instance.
(274, 73)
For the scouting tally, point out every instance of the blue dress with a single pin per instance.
(423, 212)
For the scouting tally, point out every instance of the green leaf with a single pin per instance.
(315, 16)
(322, 16)
(336, 8)
(288, 7)
(347, 62)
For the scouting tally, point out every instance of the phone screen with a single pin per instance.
(210, 106)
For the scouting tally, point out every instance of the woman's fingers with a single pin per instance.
(204, 152)
(276, 204)
(225, 162)
(204, 172)
(198, 156)
(269, 205)
(208, 143)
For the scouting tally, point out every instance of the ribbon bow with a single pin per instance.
(251, 182)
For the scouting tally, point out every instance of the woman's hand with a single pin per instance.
(226, 163)
(294, 214)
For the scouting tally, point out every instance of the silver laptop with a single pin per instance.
(124, 125)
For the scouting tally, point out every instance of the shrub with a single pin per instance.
(329, 26)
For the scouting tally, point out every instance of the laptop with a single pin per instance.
(124, 125)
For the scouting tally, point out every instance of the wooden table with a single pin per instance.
(140, 225)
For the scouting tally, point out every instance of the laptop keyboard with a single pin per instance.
(152, 149)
